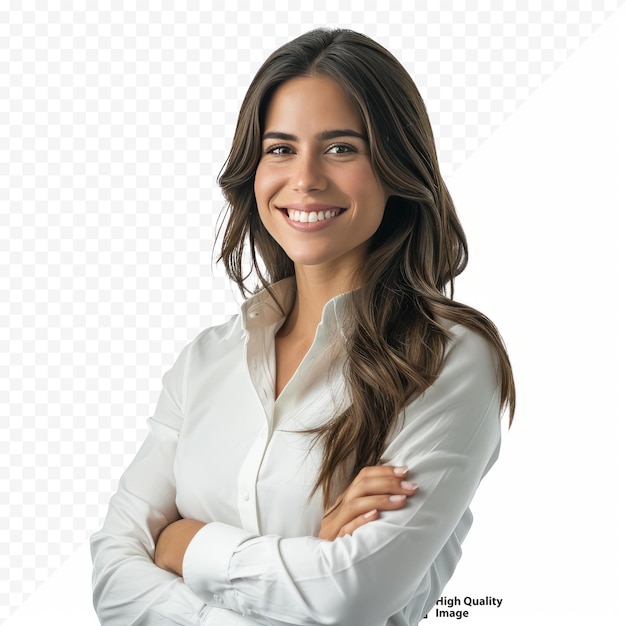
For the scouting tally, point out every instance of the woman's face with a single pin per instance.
(315, 188)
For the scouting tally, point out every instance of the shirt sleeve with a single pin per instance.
(128, 588)
(449, 438)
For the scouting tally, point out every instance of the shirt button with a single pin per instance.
(217, 598)
(245, 496)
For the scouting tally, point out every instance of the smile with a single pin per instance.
(307, 217)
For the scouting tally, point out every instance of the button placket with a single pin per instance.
(246, 484)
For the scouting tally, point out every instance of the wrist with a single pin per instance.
(173, 542)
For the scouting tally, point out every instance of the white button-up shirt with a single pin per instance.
(222, 450)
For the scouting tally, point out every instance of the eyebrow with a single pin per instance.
(324, 136)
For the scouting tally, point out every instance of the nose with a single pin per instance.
(308, 174)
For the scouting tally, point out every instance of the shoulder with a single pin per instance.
(230, 330)
(467, 384)
(193, 362)
(467, 346)
(206, 346)
(470, 362)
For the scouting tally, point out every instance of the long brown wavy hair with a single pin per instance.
(396, 339)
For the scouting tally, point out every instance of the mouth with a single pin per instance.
(312, 213)
(307, 217)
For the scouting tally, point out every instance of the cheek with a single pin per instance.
(258, 186)
(365, 183)
(371, 193)
(262, 195)
(264, 186)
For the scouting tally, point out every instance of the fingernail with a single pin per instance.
(370, 514)
(400, 470)
(405, 484)
(397, 498)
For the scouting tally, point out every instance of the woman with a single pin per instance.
(350, 384)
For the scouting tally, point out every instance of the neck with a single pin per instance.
(314, 288)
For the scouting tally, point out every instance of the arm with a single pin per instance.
(449, 440)
(375, 489)
(128, 588)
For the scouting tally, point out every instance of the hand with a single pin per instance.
(172, 543)
(375, 489)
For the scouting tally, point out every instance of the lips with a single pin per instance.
(311, 213)
(311, 216)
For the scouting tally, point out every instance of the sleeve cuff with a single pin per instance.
(207, 561)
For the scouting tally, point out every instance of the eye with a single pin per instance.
(278, 150)
(341, 148)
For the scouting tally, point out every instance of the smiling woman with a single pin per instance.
(312, 460)
(316, 192)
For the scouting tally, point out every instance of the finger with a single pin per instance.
(381, 470)
(355, 508)
(378, 485)
(374, 480)
(347, 512)
(348, 529)
(378, 472)
(359, 485)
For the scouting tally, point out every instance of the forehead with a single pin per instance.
(311, 103)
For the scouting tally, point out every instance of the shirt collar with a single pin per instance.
(261, 310)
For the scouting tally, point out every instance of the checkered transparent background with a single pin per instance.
(115, 118)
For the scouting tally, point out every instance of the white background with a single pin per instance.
(113, 128)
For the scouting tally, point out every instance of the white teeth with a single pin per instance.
(310, 216)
